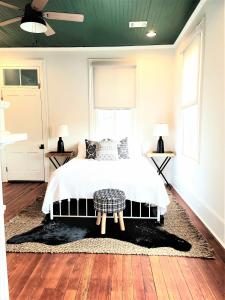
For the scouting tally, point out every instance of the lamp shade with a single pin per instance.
(160, 130)
(62, 131)
(32, 21)
(33, 26)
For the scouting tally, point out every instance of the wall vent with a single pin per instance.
(138, 24)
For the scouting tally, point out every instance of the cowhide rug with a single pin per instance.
(145, 233)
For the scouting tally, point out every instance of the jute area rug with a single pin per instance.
(176, 222)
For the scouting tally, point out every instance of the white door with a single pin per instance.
(25, 160)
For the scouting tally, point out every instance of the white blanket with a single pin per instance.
(80, 178)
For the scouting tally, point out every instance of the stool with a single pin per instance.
(109, 201)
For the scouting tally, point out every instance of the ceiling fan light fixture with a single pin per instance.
(34, 26)
(151, 34)
(32, 21)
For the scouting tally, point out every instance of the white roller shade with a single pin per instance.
(191, 69)
(114, 86)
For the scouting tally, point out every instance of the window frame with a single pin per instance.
(15, 67)
(197, 102)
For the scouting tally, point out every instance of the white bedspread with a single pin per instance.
(80, 178)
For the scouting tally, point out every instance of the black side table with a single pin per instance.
(167, 157)
(53, 157)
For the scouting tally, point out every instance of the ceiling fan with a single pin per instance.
(33, 19)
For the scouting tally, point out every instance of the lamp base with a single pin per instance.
(60, 146)
(160, 145)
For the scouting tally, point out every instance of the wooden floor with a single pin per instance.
(102, 276)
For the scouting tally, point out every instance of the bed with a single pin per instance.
(80, 178)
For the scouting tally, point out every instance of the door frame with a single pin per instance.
(40, 64)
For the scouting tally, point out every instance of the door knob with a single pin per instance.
(42, 146)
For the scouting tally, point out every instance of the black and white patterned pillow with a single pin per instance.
(107, 150)
(90, 149)
(123, 149)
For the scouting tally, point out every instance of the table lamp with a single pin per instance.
(160, 130)
(62, 131)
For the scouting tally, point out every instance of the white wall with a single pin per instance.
(68, 85)
(201, 183)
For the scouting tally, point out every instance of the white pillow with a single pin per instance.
(107, 150)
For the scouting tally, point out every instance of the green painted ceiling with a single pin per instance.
(105, 24)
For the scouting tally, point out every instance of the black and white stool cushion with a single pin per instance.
(109, 200)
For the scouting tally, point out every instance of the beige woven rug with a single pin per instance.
(176, 222)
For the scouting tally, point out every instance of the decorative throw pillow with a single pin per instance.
(107, 150)
(123, 149)
(90, 149)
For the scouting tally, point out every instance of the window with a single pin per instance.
(113, 123)
(113, 99)
(20, 77)
(114, 85)
(190, 98)
(11, 77)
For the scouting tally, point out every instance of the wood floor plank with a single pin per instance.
(94, 285)
(15, 268)
(54, 272)
(85, 279)
(160, 284)
(190, 279)
(105, 278)
(138, 283)
(70, 295)
(15, 190)
(200, 278)
(19, 190)
(181, 284)
(65, 274)
(12, 258)
(148, 280)
(50, 294)
(169, 279)
(218, 274)
(77, 272)
(117, 278)
(127, 284)
(25, 271)
(36, 279)
(211, 277)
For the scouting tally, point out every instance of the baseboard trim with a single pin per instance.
(210, 231)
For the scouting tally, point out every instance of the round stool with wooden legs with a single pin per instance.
(109, 201)
(98, 221)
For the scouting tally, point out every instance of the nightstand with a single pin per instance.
(53, 157)
(167, 157)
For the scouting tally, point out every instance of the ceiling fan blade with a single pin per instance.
(2, 3)
(50, 30)
(10, 21)
(38, 5)
(64, 16)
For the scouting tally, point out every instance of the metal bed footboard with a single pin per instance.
(129, 212)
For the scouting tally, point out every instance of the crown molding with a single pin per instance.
(87, 49)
